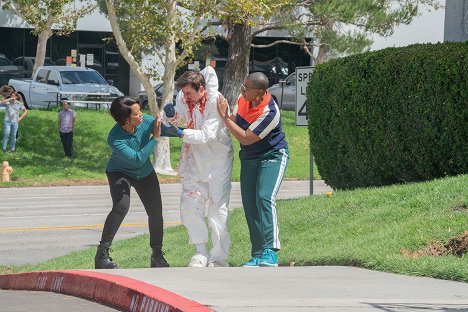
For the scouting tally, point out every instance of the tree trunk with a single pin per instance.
(162, 151)
(41, 48)
(170, 66)
(239, 39)
(127, 55)
(322, 54)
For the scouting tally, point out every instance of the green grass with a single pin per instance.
(364, 227)
(39, 159)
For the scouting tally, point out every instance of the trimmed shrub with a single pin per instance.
(390, 116)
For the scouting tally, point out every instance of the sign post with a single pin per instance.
(303, 75)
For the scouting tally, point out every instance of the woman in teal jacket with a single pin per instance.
(132, 140)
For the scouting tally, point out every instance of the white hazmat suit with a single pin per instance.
(205, 169)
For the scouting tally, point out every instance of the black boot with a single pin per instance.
(157, 259)
(102, 259)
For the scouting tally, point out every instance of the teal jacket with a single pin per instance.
(131, 152)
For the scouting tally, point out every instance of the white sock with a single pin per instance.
(201, 249)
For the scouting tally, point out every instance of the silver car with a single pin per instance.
(284, 93)
(7, 70)
(158, 89)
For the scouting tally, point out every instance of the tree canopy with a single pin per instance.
(320, 27)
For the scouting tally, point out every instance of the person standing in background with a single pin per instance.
(66, 125)
(11, 121)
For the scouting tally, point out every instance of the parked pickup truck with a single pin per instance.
(82, 86)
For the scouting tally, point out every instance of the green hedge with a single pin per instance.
(390, 116)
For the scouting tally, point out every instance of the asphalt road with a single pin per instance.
(40, 223)
(38, 301)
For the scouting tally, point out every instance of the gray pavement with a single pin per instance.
(40, 223)
(321, 288)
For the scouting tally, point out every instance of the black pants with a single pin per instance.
(150, 195)
(67, 142)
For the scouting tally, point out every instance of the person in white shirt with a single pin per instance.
(205, 167)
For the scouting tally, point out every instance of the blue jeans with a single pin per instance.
(10, 128)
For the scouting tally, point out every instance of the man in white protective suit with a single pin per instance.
(205, 167)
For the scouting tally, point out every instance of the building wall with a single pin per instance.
(18, 51)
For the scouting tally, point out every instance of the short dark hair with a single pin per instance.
(192, 79)
(121, 108)
(259, 80)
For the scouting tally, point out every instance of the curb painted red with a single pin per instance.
(118, 291)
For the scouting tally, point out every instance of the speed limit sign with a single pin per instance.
(303, 75)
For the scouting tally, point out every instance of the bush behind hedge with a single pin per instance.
(390, 116)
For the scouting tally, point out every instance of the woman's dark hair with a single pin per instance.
(121, 108)
(192, 79)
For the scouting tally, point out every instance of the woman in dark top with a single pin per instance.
(132, 141)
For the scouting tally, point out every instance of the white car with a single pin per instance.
(82, 87)
(284, 93)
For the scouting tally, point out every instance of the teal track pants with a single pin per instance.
(260, 182)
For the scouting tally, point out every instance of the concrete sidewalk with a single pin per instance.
(306, 289)
(320, 288)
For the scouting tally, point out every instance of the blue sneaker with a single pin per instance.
(251, 263)
(268, 259)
